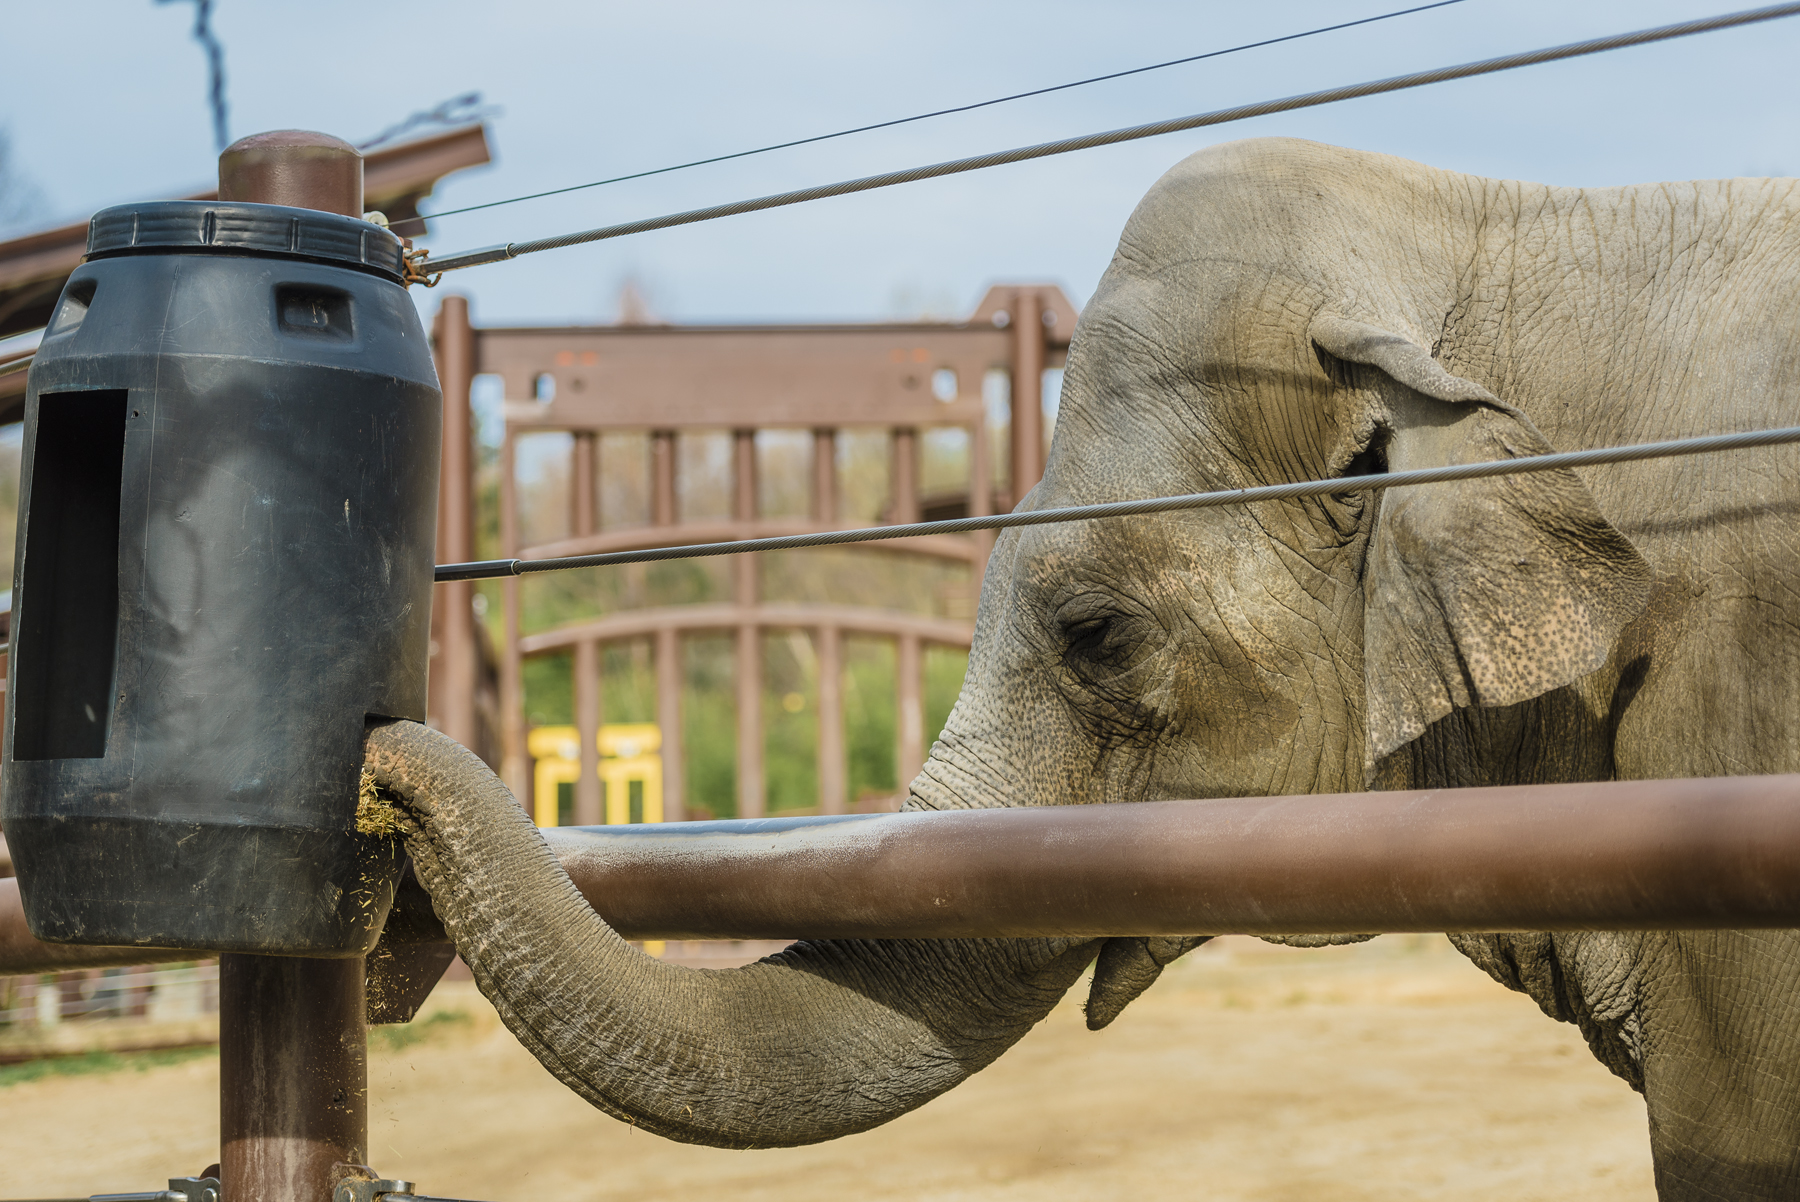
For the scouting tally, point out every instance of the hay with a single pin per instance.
(375, 814)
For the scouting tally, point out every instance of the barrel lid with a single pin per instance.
(240, 228)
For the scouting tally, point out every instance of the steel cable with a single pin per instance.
(1661, 33)
(491, 568)
(961, 108)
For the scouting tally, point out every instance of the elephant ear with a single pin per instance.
(1476, 592)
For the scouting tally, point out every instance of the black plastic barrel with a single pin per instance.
(224, 565)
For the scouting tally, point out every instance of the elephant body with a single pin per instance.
(1275, 310)
(1280, 310)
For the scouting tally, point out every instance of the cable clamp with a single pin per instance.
(415, 270)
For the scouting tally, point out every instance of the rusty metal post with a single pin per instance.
(828, 641)
(293, 1044)
(834, 786)
(584, 510)
(981, 498)
(903, 477)
(294, 167)
(293, 1076)
(584, 499)
(752, 795)
(454, 662)
(588, 717)
(662, 478)
(668, 639)
(515, 768)
(668, 717)
(1027, 392)
(909, 713)
(824, 481)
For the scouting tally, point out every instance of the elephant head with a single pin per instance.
(1260, 323)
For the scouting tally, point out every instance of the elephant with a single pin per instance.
(1282, 310)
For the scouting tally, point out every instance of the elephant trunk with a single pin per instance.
(821, 1040)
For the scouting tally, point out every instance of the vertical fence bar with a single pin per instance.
(668, 717)
(981, 499)
(1027, 392)
(824, 481)
(662, 477)
(903, 477)
(515, 768)
(454, 662)
(834, 786)
(588, 717)
(584, 500)
(584, 511)
(752, 790)
(909, 717)
(668, 640)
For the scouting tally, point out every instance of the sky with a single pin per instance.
(110, 105)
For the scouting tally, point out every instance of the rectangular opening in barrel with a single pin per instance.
(66, 639)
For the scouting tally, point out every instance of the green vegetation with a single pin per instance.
(870, 733)
(100, 1062)
(709, 725)
(628, 681)
(549, 690)
(790, 718)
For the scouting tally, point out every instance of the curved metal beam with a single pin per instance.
(643, 538)
(639, 623)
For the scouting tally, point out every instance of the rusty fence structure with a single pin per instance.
(664, 392)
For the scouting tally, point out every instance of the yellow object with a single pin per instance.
(630, 753)
(557, 750)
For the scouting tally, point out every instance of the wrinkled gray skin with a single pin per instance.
(1280, 310)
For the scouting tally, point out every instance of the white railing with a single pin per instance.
(151, 994)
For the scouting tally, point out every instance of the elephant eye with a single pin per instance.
(1087, 638)
(1108, 641)
(1371, 460)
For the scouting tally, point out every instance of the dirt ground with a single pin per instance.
(1393, 1070)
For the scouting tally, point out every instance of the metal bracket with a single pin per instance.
(376, 1189)
(181, 1189)
(372, 1189)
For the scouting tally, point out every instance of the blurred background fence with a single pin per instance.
(800, 682)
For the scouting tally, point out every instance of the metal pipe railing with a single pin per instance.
(1644, 855)
(20, 953)
(1720, 852)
